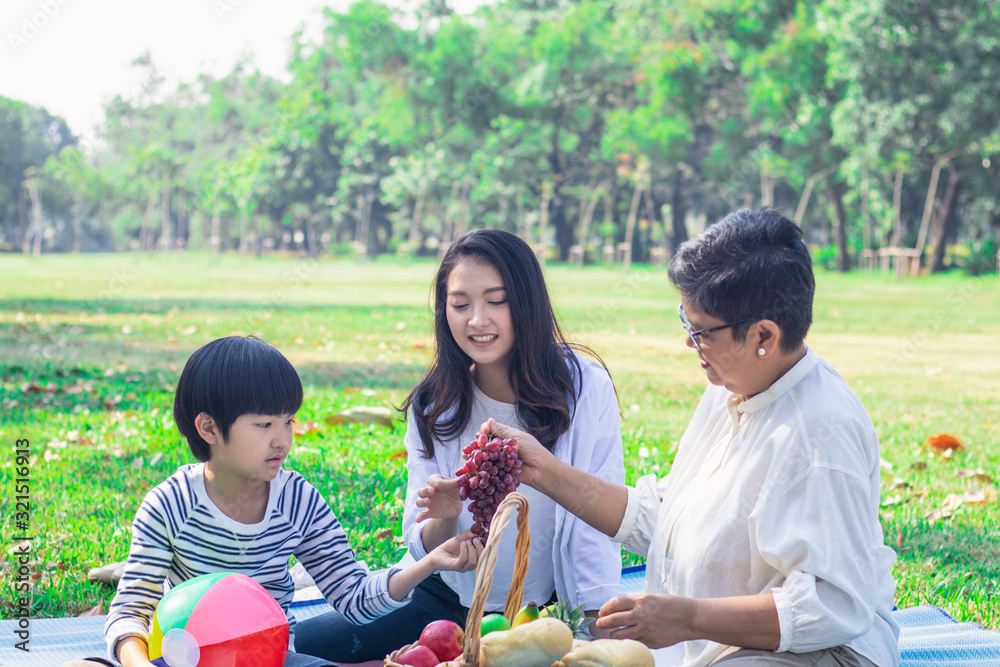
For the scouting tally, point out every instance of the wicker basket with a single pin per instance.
(484, 578)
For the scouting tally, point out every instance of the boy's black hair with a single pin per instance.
(230, 377)
(752, 264)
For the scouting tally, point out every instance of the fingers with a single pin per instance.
(615, 620)
(621, 603)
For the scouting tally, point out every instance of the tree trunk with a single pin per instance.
(633, 213)
(680, 234)
(245, 231)
(543, 223)
(414, 234)
(897, 208)
(837, 197)
(564, 229)
(945, 222)
(36, 215)
(587, 216)
(213, 239)
(800, 210)
(144, 226)
(182, 231)
(165, 217)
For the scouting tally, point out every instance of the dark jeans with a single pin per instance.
(333, 637)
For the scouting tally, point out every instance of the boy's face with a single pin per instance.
(256, 447)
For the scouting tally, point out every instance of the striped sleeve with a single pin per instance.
(148, 563)
(328, 558)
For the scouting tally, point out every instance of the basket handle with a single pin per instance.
(484, 573)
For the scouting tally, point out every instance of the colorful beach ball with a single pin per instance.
(218, 620)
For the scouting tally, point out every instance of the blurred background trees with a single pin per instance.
(596, 129)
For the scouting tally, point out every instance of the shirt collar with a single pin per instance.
(781, 386)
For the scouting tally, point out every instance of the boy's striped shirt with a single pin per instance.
(178, 533)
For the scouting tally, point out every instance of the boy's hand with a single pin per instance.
(439, 499)
(533, 456)
(459, 554)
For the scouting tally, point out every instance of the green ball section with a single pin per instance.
(179, 603)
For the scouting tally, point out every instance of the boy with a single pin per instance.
(239, 511)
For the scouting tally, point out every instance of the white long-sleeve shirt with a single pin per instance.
(179, 533)
(566, 555)
(779, 493)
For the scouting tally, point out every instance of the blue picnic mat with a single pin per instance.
(928, 636)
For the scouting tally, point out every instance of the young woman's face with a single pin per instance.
(478, 313)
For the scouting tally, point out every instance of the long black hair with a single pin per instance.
(543, 372)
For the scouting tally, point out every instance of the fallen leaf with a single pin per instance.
(334, 420)
(302, 428)
(401, 454)
(350, 390)
(20, 548)
(937, 515)
(369, 415)
(900, 538)
(975, 497)
(942, 442)
(952, 502)
(978, 475)
(891, 501)
(189, 330)
(384, 535)
(919, 465)
(96, 610)
(35, 388)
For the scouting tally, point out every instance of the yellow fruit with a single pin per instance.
(529, 612)
(493, 623)
(536, 644)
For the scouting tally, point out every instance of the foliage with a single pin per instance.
(875, 123)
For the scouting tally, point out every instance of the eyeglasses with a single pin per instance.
(694, 334)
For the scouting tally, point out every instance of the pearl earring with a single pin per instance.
(761, 351)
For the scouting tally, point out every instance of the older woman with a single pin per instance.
(763, 542)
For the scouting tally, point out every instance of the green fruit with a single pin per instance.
(492, 623)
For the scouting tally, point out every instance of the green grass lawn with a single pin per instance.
(91, 346)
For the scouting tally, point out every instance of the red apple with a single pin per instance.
(418, 656)
(451, 663)
(444, 638)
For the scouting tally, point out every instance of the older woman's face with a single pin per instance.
(727, 362)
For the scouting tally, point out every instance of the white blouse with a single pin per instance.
(566, 555)
(779, 493)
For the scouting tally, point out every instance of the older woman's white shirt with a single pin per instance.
(780, 493)
(566, 554)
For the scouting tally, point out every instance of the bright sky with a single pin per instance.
(72, 56)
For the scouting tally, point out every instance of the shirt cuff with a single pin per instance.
(123, 629)
(785, 622)
(631, 512)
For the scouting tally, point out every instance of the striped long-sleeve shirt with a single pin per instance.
(178, 533)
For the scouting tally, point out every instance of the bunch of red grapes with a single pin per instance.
(491, 471)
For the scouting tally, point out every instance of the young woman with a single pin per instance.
(763, 543)
(500, 353)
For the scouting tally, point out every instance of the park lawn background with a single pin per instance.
(91, 347)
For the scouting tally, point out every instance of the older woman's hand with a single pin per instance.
(532, 454)
(654, 620)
